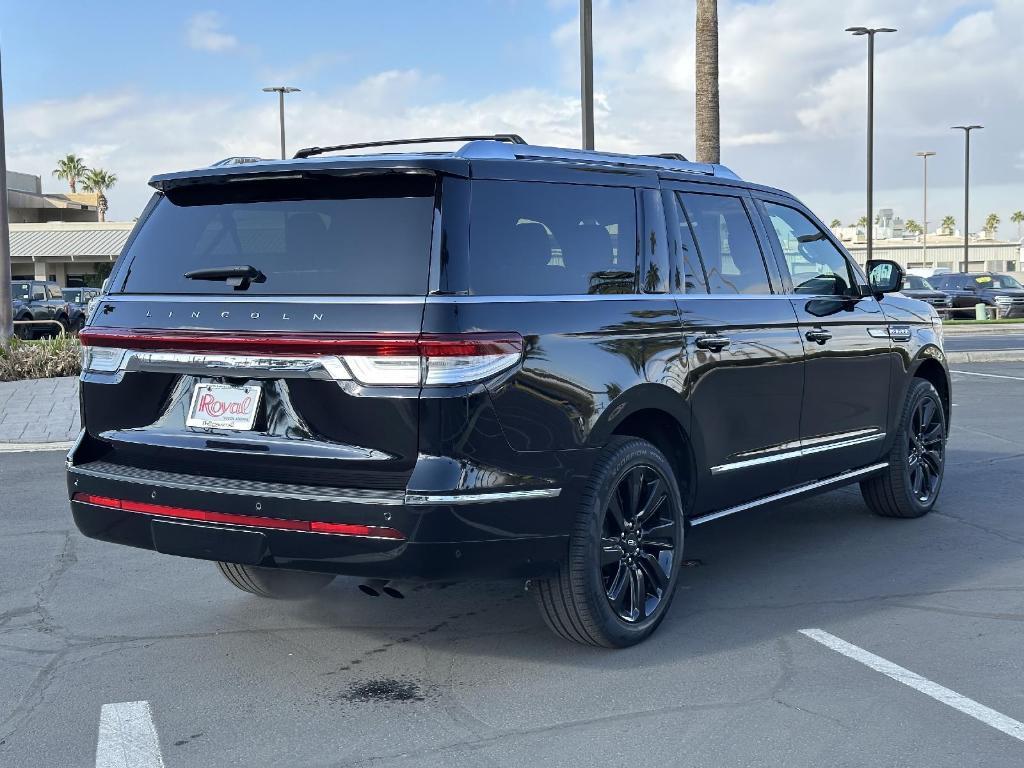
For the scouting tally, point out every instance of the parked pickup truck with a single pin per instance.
(39, 300)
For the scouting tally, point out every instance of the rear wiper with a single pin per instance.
(239, 277)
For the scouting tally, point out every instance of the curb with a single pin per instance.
(970, 330)
(986, 356)
(26, 447)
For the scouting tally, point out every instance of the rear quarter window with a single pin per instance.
(319, 235)
(532, 239)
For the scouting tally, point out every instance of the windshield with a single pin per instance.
(319, 235)
(915, 283)
(996, 281)
(22, 291)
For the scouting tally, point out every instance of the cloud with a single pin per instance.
(203, 32)
(793, 89)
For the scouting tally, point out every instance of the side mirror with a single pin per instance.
(970, 288)
(885, 276)
(106, 284)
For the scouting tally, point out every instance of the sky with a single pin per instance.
(142, 88)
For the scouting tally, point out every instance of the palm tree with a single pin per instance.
(992, 222)
(948, 225)
(99, 181)
(836, 223)
(1017, 218)
(862, 222)
(913, 227)
(70, 169)
(709, 149)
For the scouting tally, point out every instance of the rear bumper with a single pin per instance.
(446, 534)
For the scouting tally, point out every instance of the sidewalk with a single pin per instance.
(39, 411)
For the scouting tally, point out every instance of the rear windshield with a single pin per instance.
(22, 291)
(320, 234)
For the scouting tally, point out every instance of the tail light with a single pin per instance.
(399, 360)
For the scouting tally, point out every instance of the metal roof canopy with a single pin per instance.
(38, 242)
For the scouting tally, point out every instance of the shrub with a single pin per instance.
(41, 359)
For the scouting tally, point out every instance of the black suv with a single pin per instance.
(1000, 291)
(918, 288)
(502, 361)
(35, 301)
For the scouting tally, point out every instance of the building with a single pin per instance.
(59, 236)
(72, 253)
(943, 253)
(28, 204)
(945, 249)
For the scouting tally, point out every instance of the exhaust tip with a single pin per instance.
(392, 592)
(366, 589)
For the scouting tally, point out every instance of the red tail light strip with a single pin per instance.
(251, 521)
(371, 345)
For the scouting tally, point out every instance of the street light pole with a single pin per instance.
(587, 71)
(6, 309)
(870, 32)
(967, 187)
(924, 238)
(281, 90)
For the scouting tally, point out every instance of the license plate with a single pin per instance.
(222, 406)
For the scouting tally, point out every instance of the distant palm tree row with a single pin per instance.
(948, 225)
(73, 170)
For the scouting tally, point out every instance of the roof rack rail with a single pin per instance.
(510, 138)
(672, 156)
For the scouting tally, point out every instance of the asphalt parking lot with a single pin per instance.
(468, 675)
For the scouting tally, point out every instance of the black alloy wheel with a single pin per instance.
(926, 438)
(620, 571)
(909, 483)
(638, 544)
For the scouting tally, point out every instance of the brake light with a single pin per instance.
(249, 521)
(396, 360)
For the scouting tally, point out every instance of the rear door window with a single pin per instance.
(534, 239)
(728, 246)
(319, 235)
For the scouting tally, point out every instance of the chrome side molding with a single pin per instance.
(800, 489)
(806, 448)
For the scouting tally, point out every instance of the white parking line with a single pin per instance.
(988, 716)
(988, 375)
(128, 737)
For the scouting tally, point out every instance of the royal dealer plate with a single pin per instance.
(222, 406)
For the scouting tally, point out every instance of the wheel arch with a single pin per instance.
(927, 367)
(657, 414)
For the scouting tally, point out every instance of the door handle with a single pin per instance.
(712, 341)
(819, 335)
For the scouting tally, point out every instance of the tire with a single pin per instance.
(591, 598)
(274, 583)
(909, 486)
(24, 332)
(65, 324)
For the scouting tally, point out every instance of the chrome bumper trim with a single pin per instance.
(153, 477)
(421, 499)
